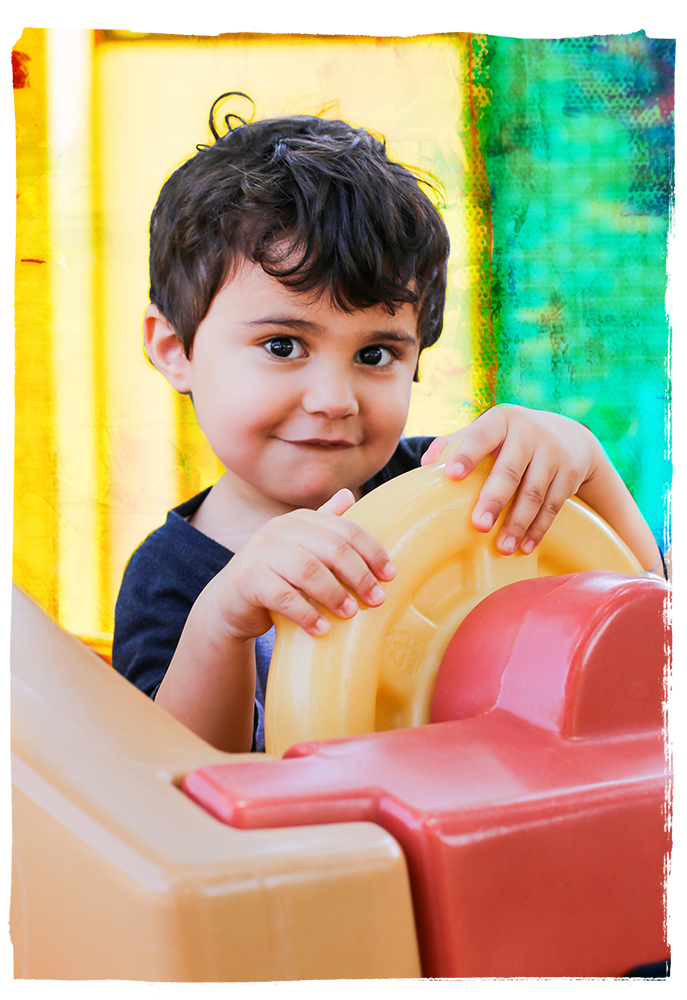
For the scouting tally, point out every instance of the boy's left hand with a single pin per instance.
(542, 459)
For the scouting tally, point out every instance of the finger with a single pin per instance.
(318, 531)
(560, 490)
(483, 437)
(339, 503)
(435, 451)
(286, 601)
(341, 556)
(501, 485)
(324, 566)
(527, 502)
(294, 578)
(538, 499)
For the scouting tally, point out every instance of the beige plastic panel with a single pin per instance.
(117, 875)
(377, 670)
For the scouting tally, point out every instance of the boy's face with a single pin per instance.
(297, 398)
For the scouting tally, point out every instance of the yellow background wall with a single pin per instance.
(104, 447)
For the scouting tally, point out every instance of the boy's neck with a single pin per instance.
(232, 512)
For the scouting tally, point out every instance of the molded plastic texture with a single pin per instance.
(377, 671)
(535, 830)
(118, 875)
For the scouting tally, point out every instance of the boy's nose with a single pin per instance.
(330, 392)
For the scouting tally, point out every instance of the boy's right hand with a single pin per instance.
(296, 559)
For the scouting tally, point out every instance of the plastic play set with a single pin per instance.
(469, 781)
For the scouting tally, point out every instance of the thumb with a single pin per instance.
(339, 503)
(434, 452)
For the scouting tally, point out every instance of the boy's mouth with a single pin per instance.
(336, 443)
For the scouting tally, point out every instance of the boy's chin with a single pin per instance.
(315, 495)
(313, 501)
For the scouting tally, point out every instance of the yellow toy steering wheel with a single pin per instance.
(377, 670)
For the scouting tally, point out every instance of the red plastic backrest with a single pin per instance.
(582, 655)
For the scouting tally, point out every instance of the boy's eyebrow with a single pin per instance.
(399, 336)
(289, 321)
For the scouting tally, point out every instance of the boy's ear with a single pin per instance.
(165, 350)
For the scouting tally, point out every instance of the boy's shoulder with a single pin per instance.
(161, 582)
(175, 556)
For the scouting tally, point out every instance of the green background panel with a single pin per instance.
(578, 139)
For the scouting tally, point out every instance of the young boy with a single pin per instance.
(296, 275)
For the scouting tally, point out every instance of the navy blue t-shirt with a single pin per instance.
(168, 571)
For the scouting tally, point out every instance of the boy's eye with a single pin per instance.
(285, 347)
(375, 356)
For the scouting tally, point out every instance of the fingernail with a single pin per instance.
(349, 606)
(376, 595)
(508, 545)
(389, 571)
(456, 471)
(486, 520)
(321, 626)
(528, 546)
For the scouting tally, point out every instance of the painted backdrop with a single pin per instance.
(556, 158)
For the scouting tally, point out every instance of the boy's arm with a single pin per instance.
(607, 494)
(293, 563)
(542, 459)
(210, 682)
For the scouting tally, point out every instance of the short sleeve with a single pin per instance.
(161, 583)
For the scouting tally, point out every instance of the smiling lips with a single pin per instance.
(323, 443)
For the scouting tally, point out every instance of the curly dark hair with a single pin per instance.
(317, 204)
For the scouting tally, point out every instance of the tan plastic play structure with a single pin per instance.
(118, 875)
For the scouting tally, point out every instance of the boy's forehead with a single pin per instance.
(252, 296)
